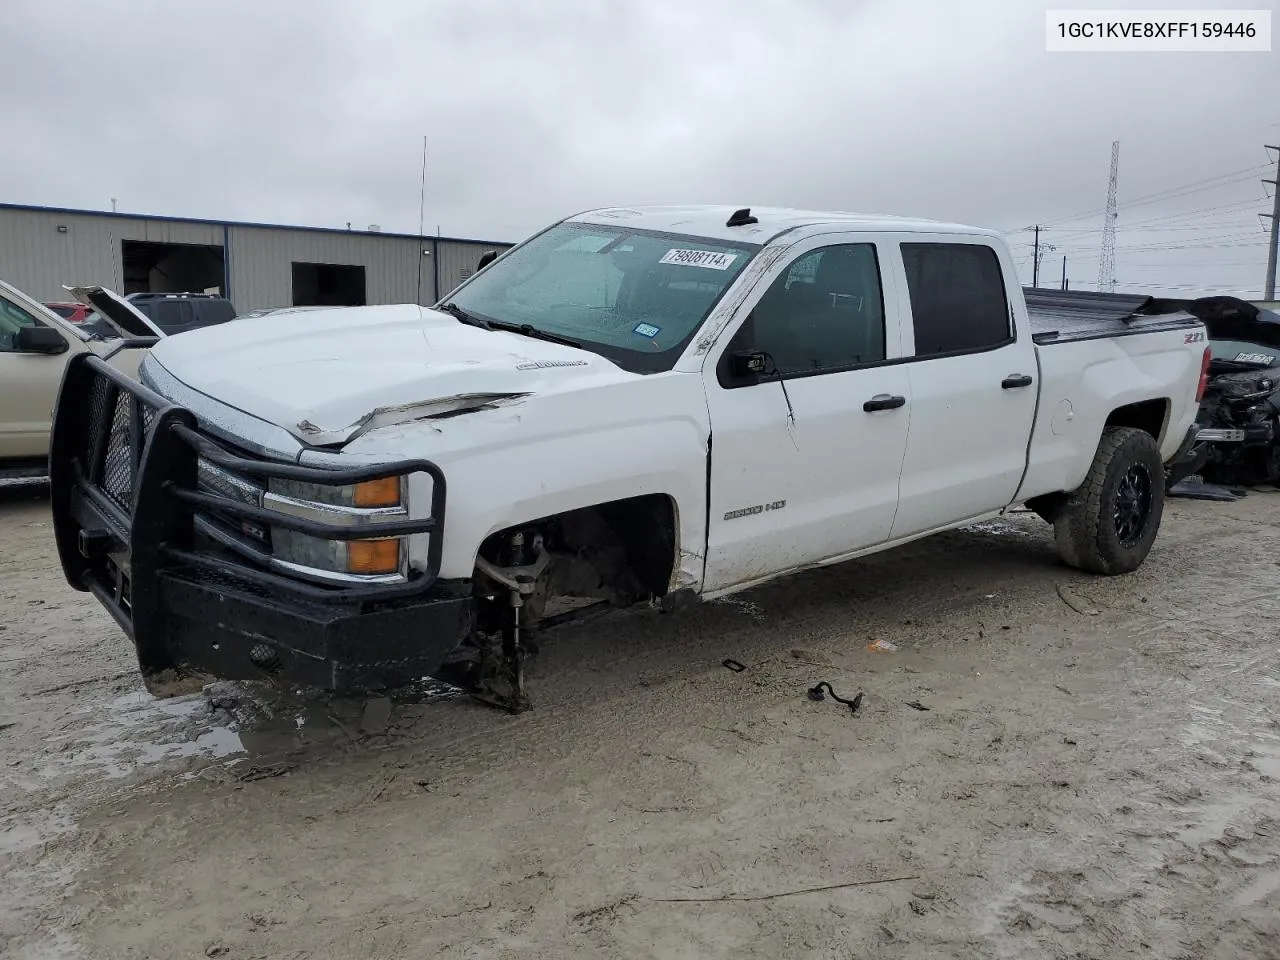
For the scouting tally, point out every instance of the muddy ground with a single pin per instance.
(1097, 774)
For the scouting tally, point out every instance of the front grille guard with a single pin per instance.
(123, 483)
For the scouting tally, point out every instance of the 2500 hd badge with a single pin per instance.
(752, 511)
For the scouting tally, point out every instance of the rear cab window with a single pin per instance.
(958, 299)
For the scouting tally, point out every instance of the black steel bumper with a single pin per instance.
(125, 498)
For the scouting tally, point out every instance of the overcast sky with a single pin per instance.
(313, 112)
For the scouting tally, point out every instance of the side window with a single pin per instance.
(171, 316)
(957, 297)
(826, 312)
(12, 319)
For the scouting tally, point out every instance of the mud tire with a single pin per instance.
(1087, 530)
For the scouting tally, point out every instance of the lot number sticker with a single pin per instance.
(700, 258)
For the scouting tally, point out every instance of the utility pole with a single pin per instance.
(1064, 272)
(1107, 262)
(1269, 291)
(1035, 259)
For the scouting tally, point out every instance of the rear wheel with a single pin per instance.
(1108, 525)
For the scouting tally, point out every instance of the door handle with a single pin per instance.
(1017, 380)
(883, 401)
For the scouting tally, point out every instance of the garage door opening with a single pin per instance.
(172, 268)
(328, 285)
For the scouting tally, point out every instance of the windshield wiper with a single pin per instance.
(528, 330)
(462, 316)
(525, 329)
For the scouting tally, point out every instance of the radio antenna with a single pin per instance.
(422, 208)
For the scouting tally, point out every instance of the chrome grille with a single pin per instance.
(229, 530)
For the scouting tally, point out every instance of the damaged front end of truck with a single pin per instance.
(222, 563)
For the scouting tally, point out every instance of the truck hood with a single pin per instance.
(328, 376)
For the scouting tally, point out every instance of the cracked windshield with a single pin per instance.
(634, 297)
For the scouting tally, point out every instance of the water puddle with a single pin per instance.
(136, 730)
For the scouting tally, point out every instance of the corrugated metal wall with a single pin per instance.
(262, 264)
(458, 261)
(37, 259)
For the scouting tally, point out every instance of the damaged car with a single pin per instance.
(1240, 415)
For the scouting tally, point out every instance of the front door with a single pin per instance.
(973, 386)
(29, 385)
(805, 459)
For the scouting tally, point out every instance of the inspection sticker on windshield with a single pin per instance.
(1255, 358)
(700, 258)
(647, 330)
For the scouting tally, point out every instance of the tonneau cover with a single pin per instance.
(1058, 315)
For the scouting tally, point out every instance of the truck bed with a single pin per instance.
(1059, 316)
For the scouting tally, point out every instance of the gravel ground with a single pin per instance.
(1097, 774)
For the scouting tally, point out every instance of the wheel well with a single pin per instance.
(631, 543)
(1147, 415)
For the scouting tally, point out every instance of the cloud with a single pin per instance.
(314, 112)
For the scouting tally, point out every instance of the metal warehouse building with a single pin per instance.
(255, 265)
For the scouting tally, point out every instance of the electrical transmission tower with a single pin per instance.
(1107, 262)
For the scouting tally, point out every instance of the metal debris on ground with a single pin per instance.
(816, 693)
(1194, 488)
(882, 646)
(734, 665)
(917, 705)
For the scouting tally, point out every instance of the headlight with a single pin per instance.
(362, 505)
(384, 493)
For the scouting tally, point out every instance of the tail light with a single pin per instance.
(1204, 374)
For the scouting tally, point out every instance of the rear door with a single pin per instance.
(973, 382)
(805, 460)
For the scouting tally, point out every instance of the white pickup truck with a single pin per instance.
(645, 405)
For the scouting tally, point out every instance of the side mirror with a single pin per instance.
(486, 258)
(38, 339)
(747, 364)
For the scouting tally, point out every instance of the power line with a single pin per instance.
(1210, 183)
(1246, 220)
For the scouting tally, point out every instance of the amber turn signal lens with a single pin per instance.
(373, 556)
(377, 493)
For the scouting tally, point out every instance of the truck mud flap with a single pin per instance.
(128, 511)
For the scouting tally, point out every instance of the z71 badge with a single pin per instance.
(1194, 337)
